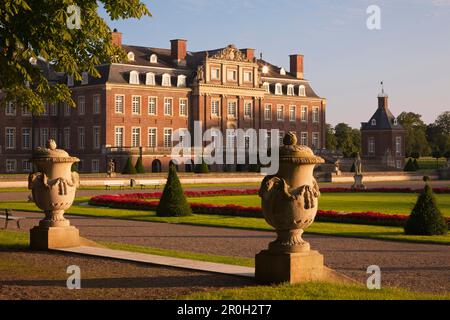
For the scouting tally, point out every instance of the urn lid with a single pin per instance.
(50, 153)
(291, 152)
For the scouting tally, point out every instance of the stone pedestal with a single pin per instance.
(43, 238)
(273, 268)
(358, 185)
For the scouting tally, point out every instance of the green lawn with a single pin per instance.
(313, 291)
(324, 228)
(346, 202)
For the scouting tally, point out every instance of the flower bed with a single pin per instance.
(131, 202)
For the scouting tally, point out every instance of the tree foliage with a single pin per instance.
(348, 140)
(331, 143)
(438, 133)
(38, 29)
(416, 139)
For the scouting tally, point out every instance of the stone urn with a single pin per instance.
(289, 202)
(53, 189)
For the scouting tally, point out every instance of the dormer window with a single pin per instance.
(290, 90)
(166, 80)
(266, 86)
(134, 77)
(70, 81)
(302, 91)
(130, 56)
(150, 79)
(181, 81)
(265, 69)
(395, 122)
(153, 58)
(84, 78)
(282, 71)
(374, 122)
(278, 89)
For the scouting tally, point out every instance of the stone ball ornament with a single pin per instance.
(53, 185)
(290, 198)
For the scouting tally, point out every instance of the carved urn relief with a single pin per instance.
(53, 188)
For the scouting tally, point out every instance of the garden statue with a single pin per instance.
(53, 188)
(358, 185)
(289, 202)
(111, 171)
(337, 167)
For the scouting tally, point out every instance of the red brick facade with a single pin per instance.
(130, 109)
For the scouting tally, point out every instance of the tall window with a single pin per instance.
(398, 145)
(120, 104)
(26, 166)
(248, 76)
(66, 109)
(96, 104)
(168, 106)
(315, 115)
(152, 138)
(166, 80)
(183, 107)
(215, 73)
(290, 90)
(43, 137)
(26, 112)
(304, 115)
(152, 103)
(134, 77)
(67, 138)
(248, 106)
(304, 138)
(10, 109)
(81, 138)
(232, 109)
(136, 105)
(232, 75)
(95, 166)
(11, 165)
(10, 137)
(231, 139)
(96, 137)
(302, 91)
(268, 112)
(167, 138)
(266, 86)
(136, 137)
(215, 108)
(371, 145)
(53, 109)
(119, 136)
(315, 140)
(46, 109)
(26, 138)
(292, 113)
(278, 89)
(81, 105)
(280, 113)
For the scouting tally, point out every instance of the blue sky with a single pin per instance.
(344, 61)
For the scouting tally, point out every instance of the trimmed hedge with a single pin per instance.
(139, 166)
(129, 168)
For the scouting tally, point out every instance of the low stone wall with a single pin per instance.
(381, 177)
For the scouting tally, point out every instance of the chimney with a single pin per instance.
(116, 38)
(178, 47)
(297, 65)
(249, 53)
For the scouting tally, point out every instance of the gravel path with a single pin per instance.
(419, 267)
(42, 276)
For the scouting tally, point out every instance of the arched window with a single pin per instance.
(70, 81)
(290, 90)
(134, 77)
(395, 122)
(150, 79)
(166, 80)
(130, 56)
(181, 81)
(278, 89)
(374, 122)
(265, 69)
(266, 87)
(84, 78)
(282, 71)
(153, 58)
(302, 91)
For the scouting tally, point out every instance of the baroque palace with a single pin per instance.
(135, 106)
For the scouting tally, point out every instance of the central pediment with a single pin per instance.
(231, 53)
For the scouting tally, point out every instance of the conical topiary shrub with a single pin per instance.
(129, 168)
(426, 219)
(201, 167)
(353, 169)
(173, 202)
(416, 164)
(139, 166)
(409, 167)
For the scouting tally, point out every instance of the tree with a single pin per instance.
(438, 133)
(331, 142)
(425, 218)
(139, 165)
(348, 140)
(129, 168)
(437, 155)
(416, 138)
(173, 202)
(35, 29)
